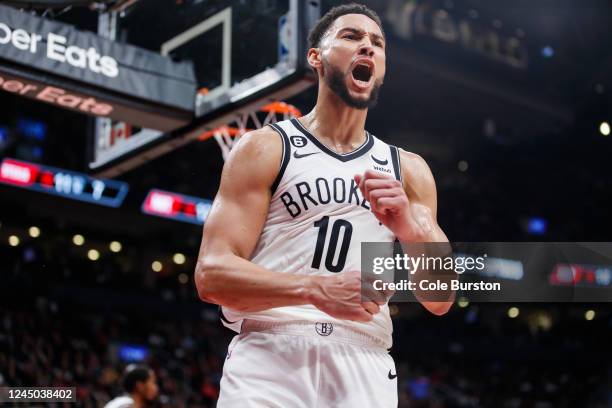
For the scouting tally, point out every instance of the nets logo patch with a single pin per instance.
(324, 329)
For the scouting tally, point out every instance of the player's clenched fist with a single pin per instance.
(340, 296)
(410, 222)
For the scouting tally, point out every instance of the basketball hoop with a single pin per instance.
(227, 136)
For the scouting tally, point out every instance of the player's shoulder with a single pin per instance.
(262, 145)
(123, 401)
(412, 160)
(261, 140)
(256, 158)
(415, 171)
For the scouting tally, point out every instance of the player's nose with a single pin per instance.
(366, 49)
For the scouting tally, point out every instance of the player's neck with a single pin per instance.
(343, 127)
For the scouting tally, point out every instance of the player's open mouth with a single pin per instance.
(362, 74)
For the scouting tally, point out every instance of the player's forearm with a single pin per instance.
(232, 281)
(433, 244)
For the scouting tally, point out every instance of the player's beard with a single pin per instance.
(335, 79)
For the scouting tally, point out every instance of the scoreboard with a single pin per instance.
(63, 183)
(176, 206)
(110, 193)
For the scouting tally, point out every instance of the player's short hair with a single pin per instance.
(320, 29)
(133, 374)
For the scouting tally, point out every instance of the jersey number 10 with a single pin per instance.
(338, 226)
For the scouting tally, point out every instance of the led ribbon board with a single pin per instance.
(592, 276)
(177, 207)
(63, 183)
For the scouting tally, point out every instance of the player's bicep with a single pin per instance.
(419, 182)
(234, 223)
(240, 208)
(420, 186)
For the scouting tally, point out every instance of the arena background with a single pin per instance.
(509, 103)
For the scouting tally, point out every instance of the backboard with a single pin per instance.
(245, 53)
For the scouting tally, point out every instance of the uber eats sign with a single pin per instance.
(53, 62)
(58, 49)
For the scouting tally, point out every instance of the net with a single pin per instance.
(228, 135)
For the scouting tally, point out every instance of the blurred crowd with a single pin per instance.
(490, 360)
(64, 320)
(50, 346)
(440, 364)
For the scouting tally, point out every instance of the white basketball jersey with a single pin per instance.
(318, 219)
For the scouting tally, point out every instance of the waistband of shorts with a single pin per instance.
(325, 330)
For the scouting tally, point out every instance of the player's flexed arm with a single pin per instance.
(409, 210)
(225, 276)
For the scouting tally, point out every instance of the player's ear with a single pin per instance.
(314, 59)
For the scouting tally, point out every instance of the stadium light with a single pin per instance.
(604, 128)
(463, 302)
(513, 312)
(78, 240)
(589, 315)
(34, 232)
(93, 255)
(157, 266)
(183, 278)
(115, 246)
(179, 258)
(13, 240)
(537, 226)
(548, 51)
(393, 310)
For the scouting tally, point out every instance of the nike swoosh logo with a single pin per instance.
(381, 162)
(301, 156)
(392, 376)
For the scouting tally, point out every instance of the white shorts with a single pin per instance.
(306, 364)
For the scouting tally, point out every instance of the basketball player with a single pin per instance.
(281, 246)
(141, 386)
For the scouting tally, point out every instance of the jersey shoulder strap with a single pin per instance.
(395, 159)
(281, 129)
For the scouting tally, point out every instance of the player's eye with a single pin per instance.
(350, 36)
(378, 42)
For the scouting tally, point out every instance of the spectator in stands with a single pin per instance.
(141, 386)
